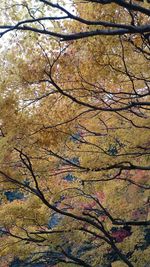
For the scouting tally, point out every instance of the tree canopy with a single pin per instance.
(74, 133)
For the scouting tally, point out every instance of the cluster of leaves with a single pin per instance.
(74, 133)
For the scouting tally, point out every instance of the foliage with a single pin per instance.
(74, 133)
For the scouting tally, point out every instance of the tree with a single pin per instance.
(75, 133)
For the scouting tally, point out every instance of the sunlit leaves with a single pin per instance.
(74, 139)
